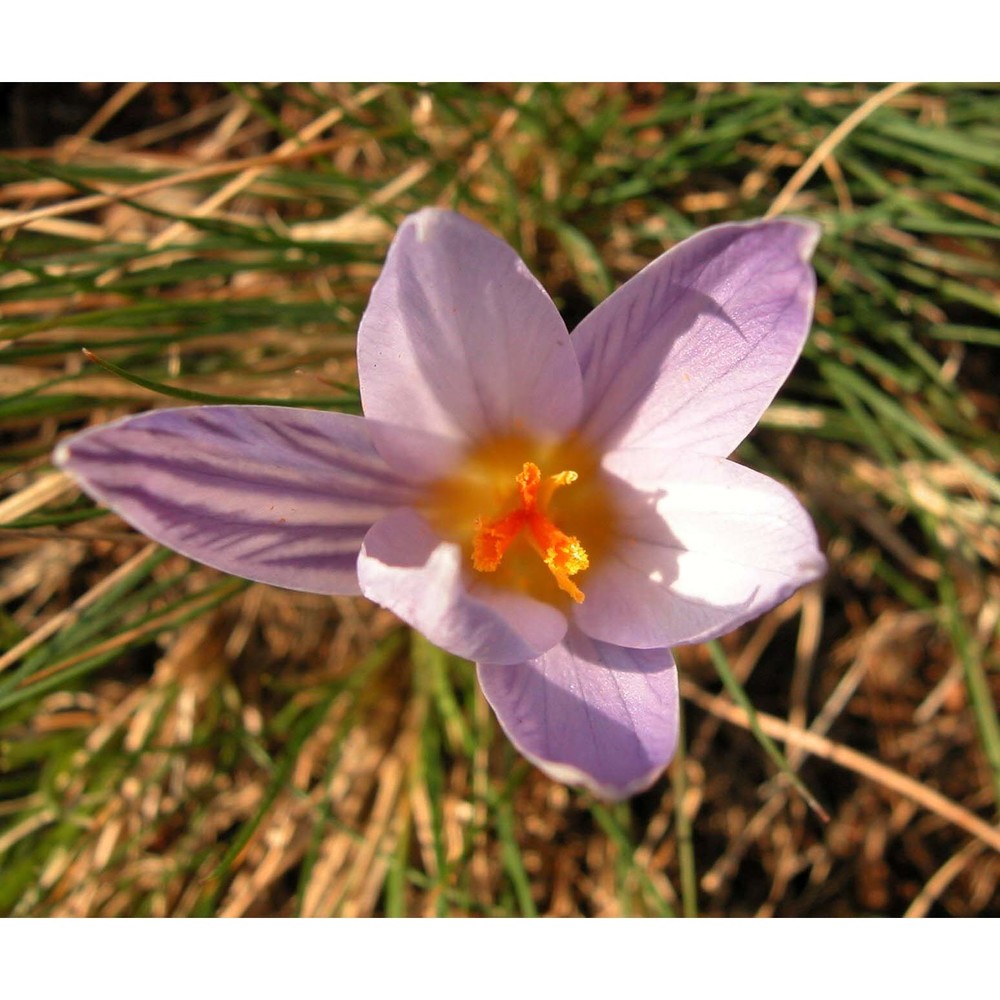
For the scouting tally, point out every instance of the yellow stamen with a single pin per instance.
(562, 553)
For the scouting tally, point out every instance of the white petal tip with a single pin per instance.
(812, 232)
(816, 568)
(424, 220)
(566, 774)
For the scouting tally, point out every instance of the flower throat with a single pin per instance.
(562, 553)
(521, 528)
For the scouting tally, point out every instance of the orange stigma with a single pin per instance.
(562, 553)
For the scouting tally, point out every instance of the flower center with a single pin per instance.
(519, 528)
(562, 553)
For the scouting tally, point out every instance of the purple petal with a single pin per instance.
(690, 352)
(405, 567)
(278, 495)
(459, 339)
(590, 713)
(707, 545)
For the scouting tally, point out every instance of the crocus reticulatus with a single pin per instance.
(560, 509)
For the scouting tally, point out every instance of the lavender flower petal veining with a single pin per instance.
(559, 509)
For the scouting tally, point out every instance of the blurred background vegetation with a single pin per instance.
(174, 742)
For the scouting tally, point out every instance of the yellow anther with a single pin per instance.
(562, 554)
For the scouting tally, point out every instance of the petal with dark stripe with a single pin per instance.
(461, 341)
(273, 494)
(590, 713)
(705, 545)
(689, 353)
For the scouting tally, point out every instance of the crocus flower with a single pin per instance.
(559, 509)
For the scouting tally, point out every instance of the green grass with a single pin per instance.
(182, 743)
